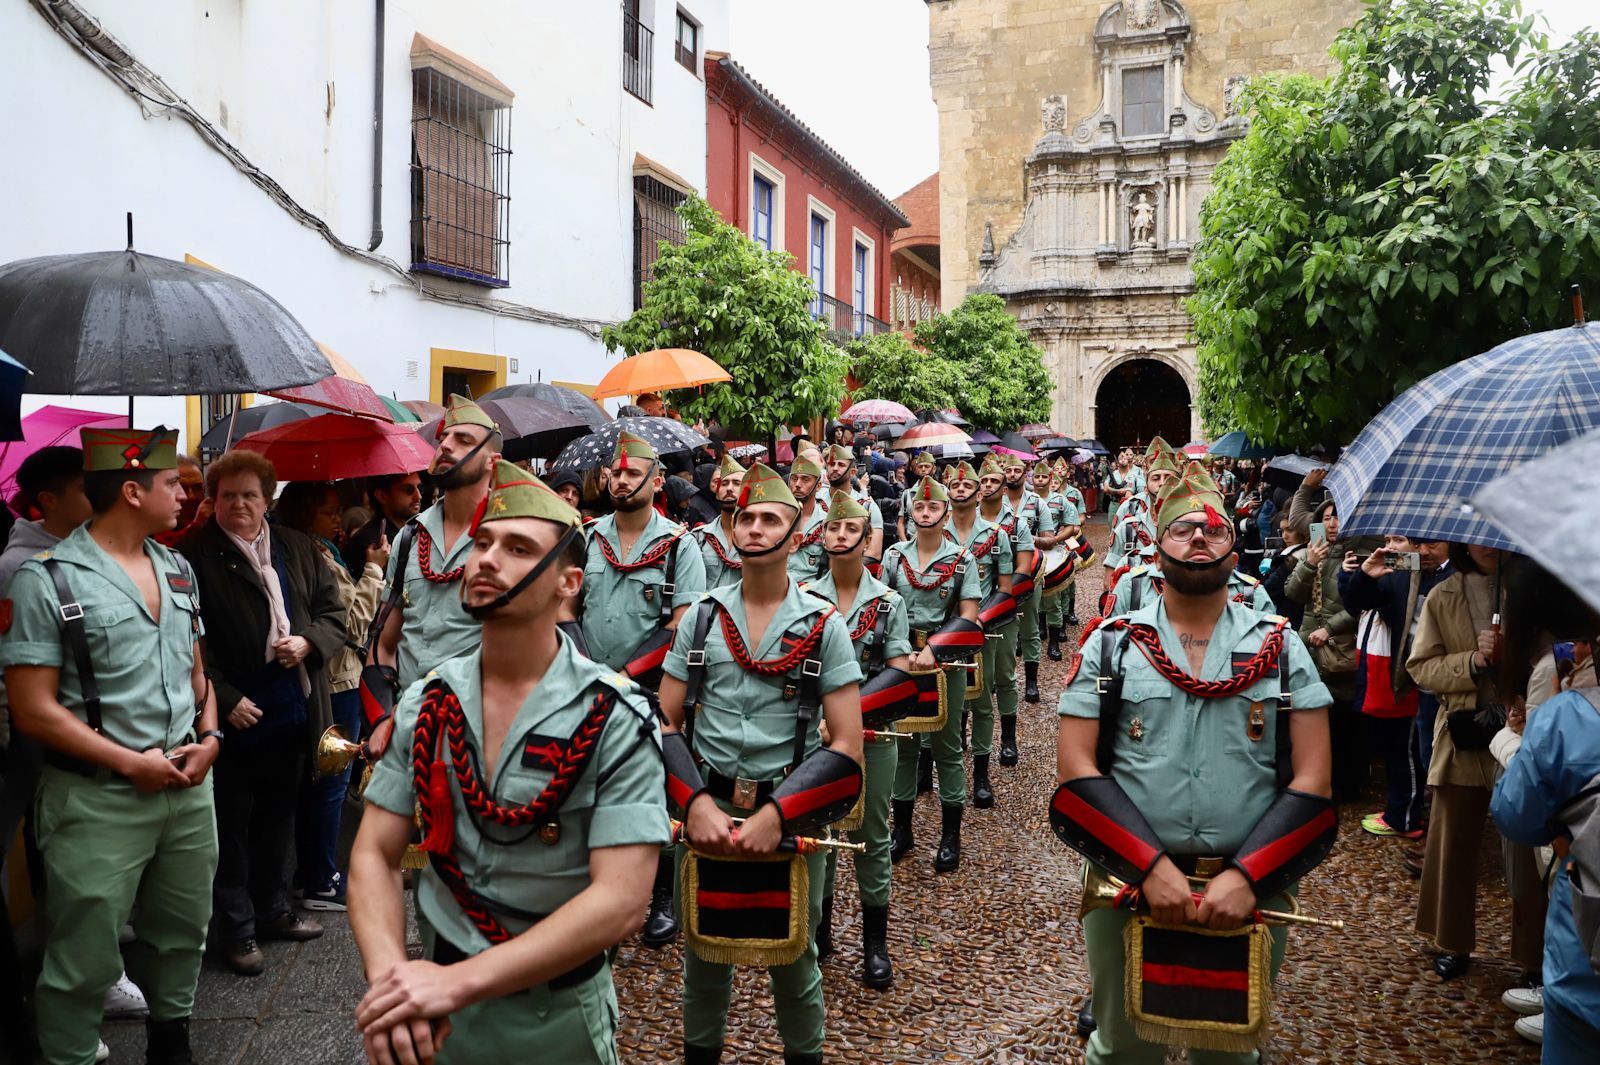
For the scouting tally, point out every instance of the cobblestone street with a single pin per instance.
(988, 962)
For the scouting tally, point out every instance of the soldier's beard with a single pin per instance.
(1196, 578)
(728, 505)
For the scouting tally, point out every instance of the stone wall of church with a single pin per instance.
(993, 61)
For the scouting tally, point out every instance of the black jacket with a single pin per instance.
(233, 605)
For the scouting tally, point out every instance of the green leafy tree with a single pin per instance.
(976, 359)
(723, 295)
(1378, 226)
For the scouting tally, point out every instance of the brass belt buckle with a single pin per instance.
(1208, 868)
(744, 793)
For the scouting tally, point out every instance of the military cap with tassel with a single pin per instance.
(844, 506)
(516, 493)
(129, 449)
(1194, 491)
(729, 467)
(631, 448)
(805, 466)
(763, 485)
(462, 411)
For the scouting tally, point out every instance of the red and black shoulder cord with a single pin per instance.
(796, 649)
(441, 725)
(425, 560)
(869, 615)
(814, 535)
(650, 558)
(940, 571)
(716, 549)
(982, 550)
(1148, 641)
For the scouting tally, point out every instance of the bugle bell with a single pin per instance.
(335, 752)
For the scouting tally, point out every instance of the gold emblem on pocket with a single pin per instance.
(1136, 730)
(1258, 721)
(550, 833)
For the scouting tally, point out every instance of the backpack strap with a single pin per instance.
(1109, 687)
(77, 641)
(696, 658)
(670, 588)
(880, 636)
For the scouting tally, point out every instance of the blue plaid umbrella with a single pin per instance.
(1412, 469)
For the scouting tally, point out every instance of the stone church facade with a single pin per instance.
(1077, 142)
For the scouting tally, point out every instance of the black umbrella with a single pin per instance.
(1015, 441)
(888, 431)
(122, 323)
(532, 429)
(942, 416)
(1287, 471)
(242, 423)
(1094, 445)
(569, 400)
(595, 450)
(1057, 443)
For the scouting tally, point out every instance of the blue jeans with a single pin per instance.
(322, 804)
(1567, 1039)
(1427, 711)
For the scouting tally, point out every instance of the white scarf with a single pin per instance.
(259, 554)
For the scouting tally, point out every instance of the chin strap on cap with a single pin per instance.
(819, 791)
(484, 610)
(1095, 817)
(1292, 838)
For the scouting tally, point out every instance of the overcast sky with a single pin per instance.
(869, 98)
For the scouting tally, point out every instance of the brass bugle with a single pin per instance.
(335, 752)
(1100, 894)
(881, 734)
(788, 844)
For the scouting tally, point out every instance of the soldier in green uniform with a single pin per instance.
(1209, 752)
(1003, 682)
(922, 465)
(760, 651)
(805, 480)
(1134, 525)
(989, 548)
(841, 468)
(103, 666)
(939, 581)
(1030, 507)
(538, 774)
(717, 554)
(426, 626)
(641, 574)
(1074, 504)
(880, 630)
(1048, 479)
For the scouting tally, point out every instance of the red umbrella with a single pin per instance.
(338, 394)
(334, 447)
(927, 434)
(1037, 431)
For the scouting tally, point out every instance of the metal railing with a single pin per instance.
(839, 317)
(638, 51)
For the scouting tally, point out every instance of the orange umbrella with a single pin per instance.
(659, 371)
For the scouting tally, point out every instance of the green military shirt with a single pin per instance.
(1021, 530)
(745, 727)
(1188, 763)
(1145, 579)
(1131, 516)
(928, 608)
(989, 546)
(896, 630)
(807, 559)
(715, 545)
(621, 609)
(1034, 511)
(874, 512)
(142, 665)
(434, 627)
(1074, 499)
(618, 800)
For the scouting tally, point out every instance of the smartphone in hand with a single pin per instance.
(1319, 532)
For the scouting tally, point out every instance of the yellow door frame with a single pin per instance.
(473, 362)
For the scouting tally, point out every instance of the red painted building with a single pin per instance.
(914, 258)
(768, 174)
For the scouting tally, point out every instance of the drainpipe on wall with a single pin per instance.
(377, 131)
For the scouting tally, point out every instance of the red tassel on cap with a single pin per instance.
(1213, 519)
(441, 836)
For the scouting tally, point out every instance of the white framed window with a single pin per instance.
(686, 49)
(765, 228)
(863, 279)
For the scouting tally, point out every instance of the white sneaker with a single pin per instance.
(102, 1052)
(1525, 1001)
(1531, 1028)
(124, 999)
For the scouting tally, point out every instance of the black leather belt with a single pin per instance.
(742, 792)
(1198, 865)
(447, 953)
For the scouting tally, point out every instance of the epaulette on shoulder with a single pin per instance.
(1141, 570)
(41, 556)
(1273, 619)
(1248, 580)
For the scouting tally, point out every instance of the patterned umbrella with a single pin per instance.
(875, 410)
(1412, 469)
(1555, 529)
(747, 452)
(1037, 431)
(569, 400)
(927, 434)
(596, 449)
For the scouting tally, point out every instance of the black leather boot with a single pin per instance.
(1008, 740)
(876, 970)
(825, 929)
(801, 1059)
(167, 1042)
(693, 1055)
(900, 841)
(661, 926)
(925, 771)
(948, 860)
(1054, 650)
(1030, 674)
(1086, 1022)
(982, 793)
(1072, 605)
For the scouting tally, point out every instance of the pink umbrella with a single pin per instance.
(875, 410)
(47, 427)
(1196, 448)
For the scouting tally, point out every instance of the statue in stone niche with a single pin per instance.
(1231, 88)
(1142, 221)
(1054, 113)
(1142, 14)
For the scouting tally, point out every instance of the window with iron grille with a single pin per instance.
(460, 181)
(687, 47)
(638, 49)
(1143, 109)
(655, 219)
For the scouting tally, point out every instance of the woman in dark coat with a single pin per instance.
(273, 618)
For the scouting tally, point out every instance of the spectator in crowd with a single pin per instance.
(1329, 631)
(396, 499)
(312, 509)
(352, 519)
(1120, 483)
(651, 404)
(273, 621)
(1453, 656)
(1551, 752)
(568, 484)
(196, 507)
(1283, 564)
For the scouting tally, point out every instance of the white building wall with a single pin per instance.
(295, 84)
